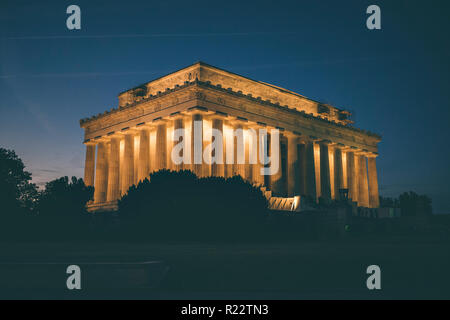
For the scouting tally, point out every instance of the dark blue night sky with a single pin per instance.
(395, 80)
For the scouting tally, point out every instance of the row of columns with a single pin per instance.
(310, 167)
(321, 169)
(329, 168)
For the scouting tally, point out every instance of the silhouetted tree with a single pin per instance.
(17, 196)
(17, 193)
(386, 202)
(413, 204)
(61, 206)
(179, 205)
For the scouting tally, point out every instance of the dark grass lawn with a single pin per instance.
(328, 269)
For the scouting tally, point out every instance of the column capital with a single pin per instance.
(218, 115)
(257, 125)
(325, 142)
(346, 148)
(313, 138)
(114, 134)
(102, 139)
(354, 149)
(235, 120)
(197, 110)
(292, 134)
(309, 139)
(177, 115)
(362, 152)
(339, 145)
(90, 142)
(159, 120)
(272, 127)
(143, 126)
(127, 130)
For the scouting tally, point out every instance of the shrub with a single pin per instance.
(177, 205)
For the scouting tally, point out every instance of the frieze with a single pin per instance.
(201, 96)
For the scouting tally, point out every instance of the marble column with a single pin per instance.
(101, 173)
(206, 140)
(197, 144)
(239, 150)
(136, 158)
(276, 179)
(169, 145)
(217, 169)
(178, 124)
(325, 184)
(310, 170)
(152, 149)
(292, 164)
(228, 149)
(265, 146)
(144, 154)
(89, 165)
(338, 172)
(247, 145)
(257, 177)
(161, 146)
(363, 192)
(352, 176)
(128, 162)
(374, 200)
(317, 168)
(113, 170)
(302, 169)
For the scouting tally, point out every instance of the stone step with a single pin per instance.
(278, 203)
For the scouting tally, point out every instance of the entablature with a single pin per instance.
(218, 99)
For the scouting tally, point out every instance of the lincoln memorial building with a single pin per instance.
(321, 154)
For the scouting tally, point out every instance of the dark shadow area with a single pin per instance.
(179, 206)
(214, 237)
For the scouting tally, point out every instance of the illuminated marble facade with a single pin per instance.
(321, 152)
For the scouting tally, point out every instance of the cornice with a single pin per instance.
(218, 87)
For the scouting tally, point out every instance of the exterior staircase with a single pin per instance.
(280, 203)
(267, 193)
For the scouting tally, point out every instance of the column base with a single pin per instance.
(102, 207)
